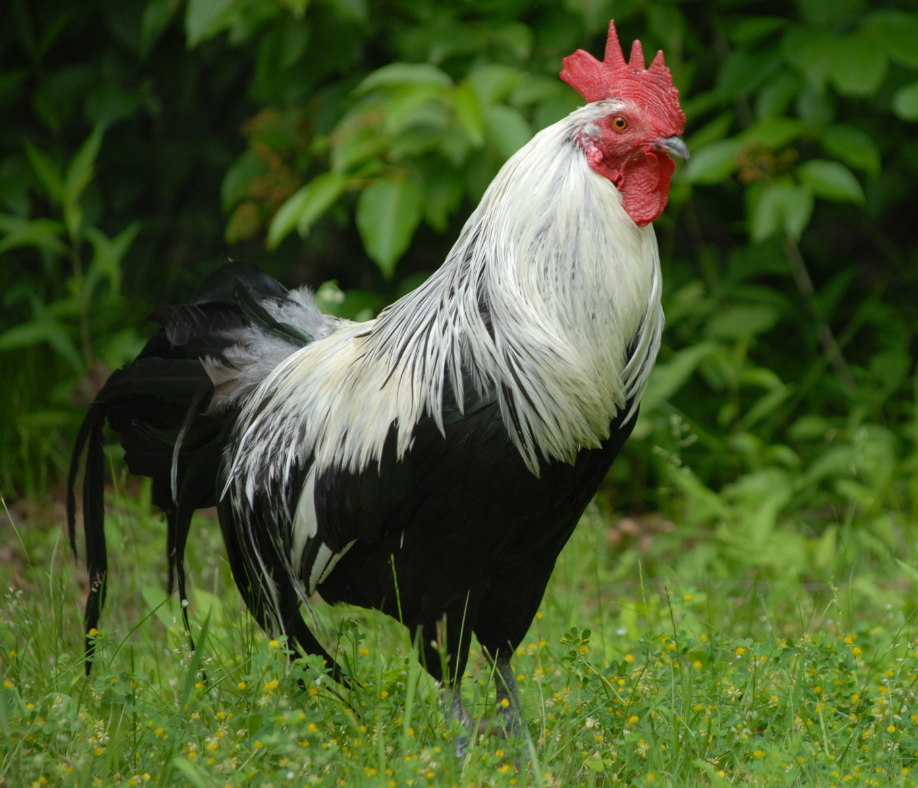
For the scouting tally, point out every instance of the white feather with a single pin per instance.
(325, 561)
(305, 521)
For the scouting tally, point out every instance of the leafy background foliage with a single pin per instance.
(345, 142)
(342, 143)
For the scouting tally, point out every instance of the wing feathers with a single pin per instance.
(305, 522)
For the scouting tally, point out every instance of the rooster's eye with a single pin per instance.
(619, 123)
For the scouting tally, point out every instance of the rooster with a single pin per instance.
(433, 462)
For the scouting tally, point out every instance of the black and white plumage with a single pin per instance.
(433, 462)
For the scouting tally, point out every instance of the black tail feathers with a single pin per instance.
(159, 405)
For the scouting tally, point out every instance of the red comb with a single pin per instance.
(614, 78)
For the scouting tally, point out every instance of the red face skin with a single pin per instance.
(626, 152)
(628, 146)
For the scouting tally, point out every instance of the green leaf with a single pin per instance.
(750, 30)
(778, 206)
(415, 106)
(761, 377)
(714, 131)
(905, 101)
(282, 47)
(515, 38)
(191, 772)
(156, 17)
(534, 90)
(359, 147)
(837, 461)
(857, 64)
(852, 146)
(745, 71)
(443, 189)
(507, 129)
(671, 375)
(298, 7)
(73, 218)
(238, 179)
(815, 106)
(405, 74)
(44, 329)
(831, 181)
(46, 169)
(737, 322)
(16, 179)
(713, 163)
(161, 605)
(704, 502)
(43, 234)
(897, 32)
(909, 571)
(81, 167)
(109, 254)
(773, 133)
(388, 213)
(809, 49)
(191, 678)
(765, 405)
(494, 82)
(798, 209)
(11, 79)
(348, 10)
(430, 130)
(774, 98)
(205, 18)
(106, 104)
(763, 214)
(468, 112)
(79, 174)
(824, 12)
(304, 207)
(694, 106)
(809, 427)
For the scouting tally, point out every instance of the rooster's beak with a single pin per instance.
(674, 146)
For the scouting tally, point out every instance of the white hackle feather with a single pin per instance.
(571, 284)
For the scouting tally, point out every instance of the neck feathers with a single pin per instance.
(550, 298)
(541, 299)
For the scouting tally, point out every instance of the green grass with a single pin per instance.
(649, 664)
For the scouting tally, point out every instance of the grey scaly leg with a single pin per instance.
(511, 713)
(510, 716)
(453, 710)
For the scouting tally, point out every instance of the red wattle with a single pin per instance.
(645, 186)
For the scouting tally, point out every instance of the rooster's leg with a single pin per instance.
(454, 710)
(508, 708)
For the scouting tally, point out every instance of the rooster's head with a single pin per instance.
(638, 124)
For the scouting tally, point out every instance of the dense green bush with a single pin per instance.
(146, 140)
